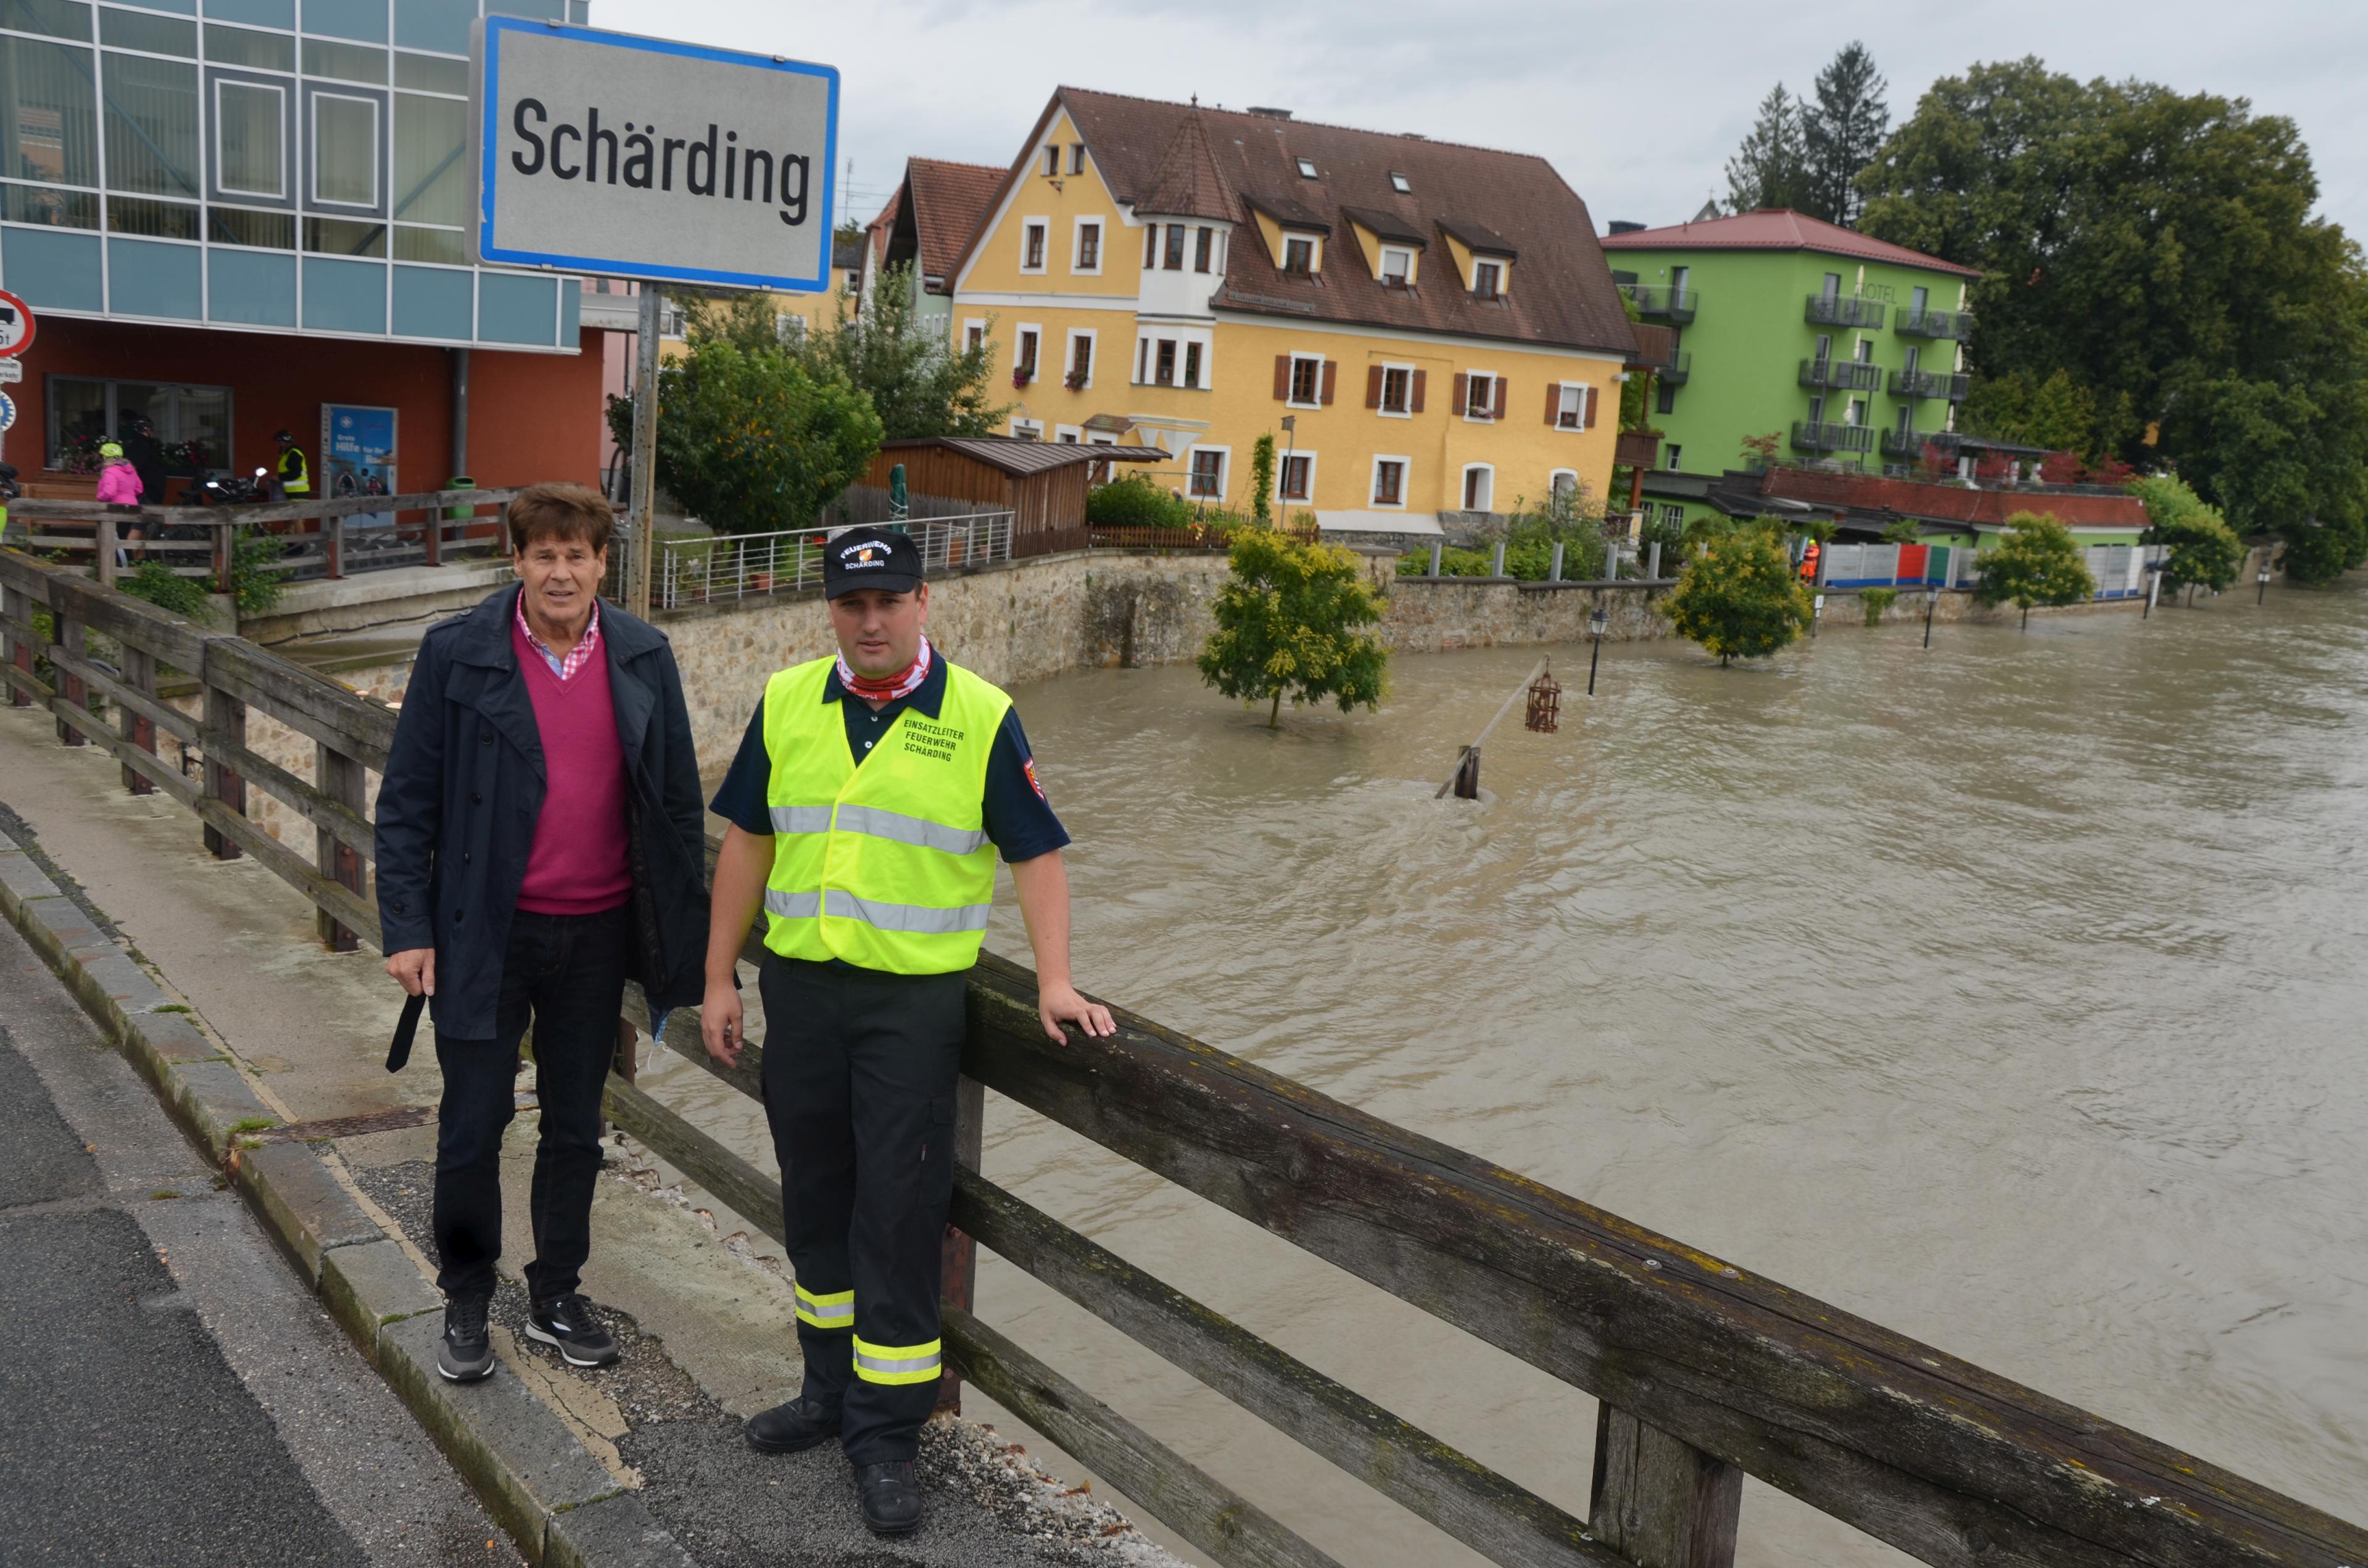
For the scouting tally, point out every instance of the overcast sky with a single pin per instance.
(1638, 105)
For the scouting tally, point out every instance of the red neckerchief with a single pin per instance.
(890, 688)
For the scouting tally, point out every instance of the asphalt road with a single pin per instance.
(174, 1397)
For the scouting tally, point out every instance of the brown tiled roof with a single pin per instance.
(1186, 184)
(950, 202)
(1011, 455)
(1561, 288)
(1780, 228)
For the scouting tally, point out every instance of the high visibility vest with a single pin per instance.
(299, 482)
(886, 866)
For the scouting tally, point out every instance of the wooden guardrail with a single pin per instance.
(1705, 1371)
(315, 527)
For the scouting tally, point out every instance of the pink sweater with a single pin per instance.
(119, 485)
(579, 863)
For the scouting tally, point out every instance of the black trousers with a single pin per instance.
(859, 1075)
(566, 972)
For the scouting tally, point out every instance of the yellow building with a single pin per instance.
(1437, 321)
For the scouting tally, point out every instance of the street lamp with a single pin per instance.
(1931, 603)
(2154, 587)
(1817, 614)
(1598, 622)
(1289, 443)
(2262, 585)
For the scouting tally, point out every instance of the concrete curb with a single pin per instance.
(563, 1508)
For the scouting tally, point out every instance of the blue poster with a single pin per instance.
(358, 456)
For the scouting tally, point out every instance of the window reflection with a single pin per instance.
(151, 126)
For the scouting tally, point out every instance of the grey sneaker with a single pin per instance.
(468, 1352)
(566, 1323)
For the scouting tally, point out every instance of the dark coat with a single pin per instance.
(464, 784)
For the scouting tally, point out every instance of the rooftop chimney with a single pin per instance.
(1622, 226)
(1271, 113)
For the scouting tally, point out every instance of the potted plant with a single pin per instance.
(1075, 380)
(1021, 375)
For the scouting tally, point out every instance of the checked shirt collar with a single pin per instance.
(563, 667)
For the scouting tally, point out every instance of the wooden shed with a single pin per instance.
(1041, 483)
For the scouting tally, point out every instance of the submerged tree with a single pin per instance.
(1740, 595)
(2200, 549)
(2038, 564)
(1288, 624)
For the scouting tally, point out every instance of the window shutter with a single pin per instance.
(1372, 386)
(1282, 378)
(1331, 373)
(1420, 378)
(1553, 402)
(1501, 397)
(1587, 422)
(1462, 401)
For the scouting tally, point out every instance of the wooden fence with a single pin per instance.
(317, 531)
(1704, 1372)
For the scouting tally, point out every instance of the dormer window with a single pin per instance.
(1307, 168)
(1397, 267)
(1487, 279)
(1398, 183)
(1299, 257)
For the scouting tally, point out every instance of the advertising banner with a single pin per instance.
(357, 458)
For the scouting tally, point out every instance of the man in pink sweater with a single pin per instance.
(539, 843)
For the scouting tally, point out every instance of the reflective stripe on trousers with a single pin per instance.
(895, 1363)
(874, 823)
(834, 1311)
(841, 904)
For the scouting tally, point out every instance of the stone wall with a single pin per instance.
(1431, 614)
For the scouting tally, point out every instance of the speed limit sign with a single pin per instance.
(16, 325)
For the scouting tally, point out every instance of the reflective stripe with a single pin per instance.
(841, 904)
(879, 823)
(801, 819)
(835, 1311)
(792, 905)
(897, 1363)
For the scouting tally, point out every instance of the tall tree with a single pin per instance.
(1290, 621)
(2038, 562)
(920, 384)
(1841, 133)
(2160, 249)
(1770, 169)
(1739, 597)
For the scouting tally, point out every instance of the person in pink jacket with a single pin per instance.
(119, 485)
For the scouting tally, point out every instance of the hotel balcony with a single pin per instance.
(1848, 375)
(1829, 436)
(1845, 309)
(1914, 323)
(1930, 383)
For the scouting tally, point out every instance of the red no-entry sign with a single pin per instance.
(16, 325)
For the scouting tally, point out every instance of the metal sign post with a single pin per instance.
(635, 158)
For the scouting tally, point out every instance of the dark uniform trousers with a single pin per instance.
(860, 1068)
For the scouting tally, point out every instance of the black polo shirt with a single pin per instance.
(1019, 820)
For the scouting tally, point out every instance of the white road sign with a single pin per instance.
(641, 157)
(11, 370)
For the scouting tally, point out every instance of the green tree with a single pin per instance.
(1261, 479)
(1739, 597)
(2161, 250)
(748, 440)
(1136, 501)
(2019, 406)
(919, 383)
(1771, 168)
(1288, 624)
(1841, 132)
(2039, 562)
(2200, 548)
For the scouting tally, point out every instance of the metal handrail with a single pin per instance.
(1831, 435)
(1930, 323)
(1845, 309)
(726, 568)
(1953, 385)
(1852, 375)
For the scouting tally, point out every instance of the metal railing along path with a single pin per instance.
(1704, 1372)
(726, 568)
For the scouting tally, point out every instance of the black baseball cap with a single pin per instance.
(870, 558)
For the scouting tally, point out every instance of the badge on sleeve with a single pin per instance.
(1033, 782)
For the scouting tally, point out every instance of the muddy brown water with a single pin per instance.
(2008, 993)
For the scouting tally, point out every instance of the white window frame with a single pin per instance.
(1400, 184)
(1033, 427)
(1295, 454)
(1093, 355)
(312, 144)
(1566, 388)
(1073, 435)
(1044, 263)
(1386, 411)
(1290, 382)
(1374, 481)
(1407, 271)
(1464, 487)
(1051, 165)
(1185, 366)
(1674, 448)
(278, 123)
(1020, 332)
(1076, 157)
(1077, 228)
(1494, 380)
(1504, 276)
(1555, 475)
(1314, 243)
(1307, 169)
(972, 324)
(1146, 356)
(1224, 472)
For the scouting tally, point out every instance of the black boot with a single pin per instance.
(891, 1496)
(786, 1428)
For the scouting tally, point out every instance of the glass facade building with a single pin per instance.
(260, 166)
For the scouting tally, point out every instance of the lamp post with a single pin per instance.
(1817, 614)
(1598, 622)
(2261, 585)
(2154, 587)
(1290, 445)
(1931, 603)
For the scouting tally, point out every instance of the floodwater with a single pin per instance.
(2008, 993)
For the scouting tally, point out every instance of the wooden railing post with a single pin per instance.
(1659, 1502)
(139, 673)
(103, 552)
(960, 1256)
(221, 557)
(72, 687)
(19, 605)
(432, 539)
(339, 777)
(225, 721)
(335, 549)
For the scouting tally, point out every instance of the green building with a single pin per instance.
(1846, 349)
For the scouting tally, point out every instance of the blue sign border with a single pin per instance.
(488, 132)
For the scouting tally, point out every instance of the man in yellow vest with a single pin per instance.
(292, 478)
(869, 802)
